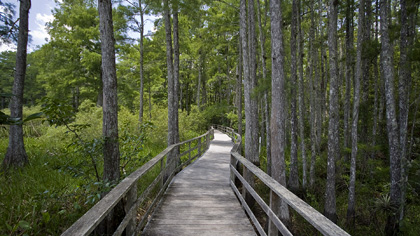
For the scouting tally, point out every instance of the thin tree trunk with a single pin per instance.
(348, 77)
(176, 79)
(16, 155)
(199, 79)
(301, 103)
(265, 101)
(311, 68)
(364, 92)
(278, 110)
(333, 135)
(391, 118)
(376, 87)
(406, 42)
(355, 117)
(141, 63)
(239, 89)
(319, 74)
(294, 174)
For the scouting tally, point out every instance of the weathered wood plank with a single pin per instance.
(199, 214)
(231, 221)
(200, 230)
(200, 201)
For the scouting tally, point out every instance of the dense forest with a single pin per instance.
(325, 94)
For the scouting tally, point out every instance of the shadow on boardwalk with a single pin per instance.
(199, 200)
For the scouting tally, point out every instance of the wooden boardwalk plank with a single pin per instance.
(199, 200)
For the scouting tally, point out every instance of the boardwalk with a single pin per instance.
(200, 201)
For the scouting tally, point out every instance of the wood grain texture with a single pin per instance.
(199, 200)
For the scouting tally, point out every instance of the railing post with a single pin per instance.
(162, 171)
(232, 162)
(199, 147)
(189, 151)
(131, 200)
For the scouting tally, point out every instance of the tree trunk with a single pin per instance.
(247, 84)
(170, 162)
(239, 90)
(404, 83)
(278, 110)
(252, 131)
(294, 174)
(391, 119)
(110, 105)
(355, 117)
(141, 63)
(265, 101)
(176, 79)
(376, 87)
(348, 77)
(199, 78)
(16, 155)
(333, 135)
(301, 103)
(312, 67)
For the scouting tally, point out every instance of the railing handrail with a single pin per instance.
(315, 218)
(91, 219)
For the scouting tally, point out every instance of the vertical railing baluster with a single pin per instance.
(199, 146)
(131, 200)
(189, 151)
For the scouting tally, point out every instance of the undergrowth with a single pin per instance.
(60, 185)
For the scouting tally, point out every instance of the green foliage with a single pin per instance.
(217, 114)
(57, 112)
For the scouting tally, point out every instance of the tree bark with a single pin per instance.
(301, 103)
(199, 78)
(250, 148)
(294, 174)
(16, 155)
(376, 87)
(110, 105)
(252, 131)
(333, 135)
(239, 90)
(141, 63)
(170, 162)
(348, 76)
(176, 77)
(278, 111)
(391, 119)
(311, 68)
(355, 117)
(265, 99)
(404, 85)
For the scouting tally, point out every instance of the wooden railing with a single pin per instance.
(127, 189)
(316, 219)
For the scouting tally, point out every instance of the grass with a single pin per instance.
(59, 185)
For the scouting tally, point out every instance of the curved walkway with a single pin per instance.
(200, 201)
